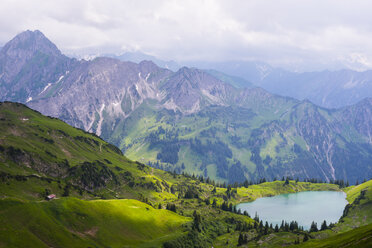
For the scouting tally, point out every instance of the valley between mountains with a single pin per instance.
(104, 199)
(191, 120)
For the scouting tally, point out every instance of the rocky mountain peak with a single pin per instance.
(28, 63)
(148, 65)
(188, 71)
(189, 89)
(27, 43)
(194, 78)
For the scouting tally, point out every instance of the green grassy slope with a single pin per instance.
(70, 222)
(354, 191)
(359, 210)
(39, 153)
(359, 237)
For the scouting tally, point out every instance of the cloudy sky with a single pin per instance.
(294, 34)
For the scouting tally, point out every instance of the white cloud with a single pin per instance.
(309, 34)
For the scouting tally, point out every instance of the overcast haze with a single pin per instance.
(297, 35)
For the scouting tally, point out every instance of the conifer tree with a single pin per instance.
(306, 237)
(297, 241)
(256, 218)
(313, 227)
(286, 227)
(240, 239)
(197, 221)
(214, 190)
(266, 230)
(245, 239)
(286, 181)
(324, 226)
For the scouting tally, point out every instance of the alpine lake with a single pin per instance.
(303, 207)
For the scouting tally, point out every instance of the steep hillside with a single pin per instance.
(359, 237)
(234, 143)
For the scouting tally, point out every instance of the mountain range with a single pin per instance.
(329, 89)
(191, 120)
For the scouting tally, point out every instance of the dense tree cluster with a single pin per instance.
(236, 173)
(168, 142)
(314, 227)
(92, 175)
(191, 192)
(215, 152)
(264, 229)
(171, 207)
(197, 221)
(243, 239)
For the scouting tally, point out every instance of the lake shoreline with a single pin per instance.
(303, 207)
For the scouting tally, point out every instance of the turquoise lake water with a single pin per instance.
(304, 207)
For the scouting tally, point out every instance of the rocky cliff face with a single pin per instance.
(188, 119)
(102, 87)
